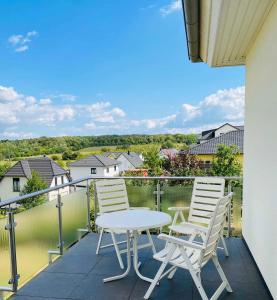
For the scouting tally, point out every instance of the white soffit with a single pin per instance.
(233, 27)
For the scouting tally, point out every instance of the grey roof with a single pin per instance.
(94, 161)
(210, 147)
(132, 157)
(45, 166)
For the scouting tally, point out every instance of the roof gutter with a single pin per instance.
(191, 10)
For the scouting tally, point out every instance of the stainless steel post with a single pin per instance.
(11, 228)
(60, 222)
(95, 201)
(88, 207)
(229, 210)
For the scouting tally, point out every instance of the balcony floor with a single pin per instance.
(79, 273)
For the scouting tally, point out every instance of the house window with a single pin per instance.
(207, 161)
(115, 168)
(93, 171)
(56, 180)
(16, 185)
(107, 170)
(62, 180)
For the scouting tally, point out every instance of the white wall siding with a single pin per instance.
(6, 187)
(260, 166)
(79, 172)
(124, 164)
(65, 191)
(224, 129)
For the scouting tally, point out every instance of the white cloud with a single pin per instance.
(45, 101)
(90, 125)
(153, 123)
(118, 112)
(20, 42)
(174, 6)
(12, 135)
(64, 97)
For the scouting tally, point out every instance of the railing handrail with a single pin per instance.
(73, 182)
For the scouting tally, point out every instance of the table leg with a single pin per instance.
(128, 263)
(136, 263)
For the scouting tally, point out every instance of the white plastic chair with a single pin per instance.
(112, 196)
(192, 256)
(205, 194)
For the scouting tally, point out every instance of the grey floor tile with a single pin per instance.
(51, 285)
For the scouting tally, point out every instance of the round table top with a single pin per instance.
(133, 219)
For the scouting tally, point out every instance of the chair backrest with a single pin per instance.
(111, 195)
(205, 195)
(215, 228)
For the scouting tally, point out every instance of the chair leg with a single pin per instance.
(224, 246)
(197, 280)
(221, 274)
(117, 251)
(172, 273)
(151, 242)
(155, 280)
(99, 241)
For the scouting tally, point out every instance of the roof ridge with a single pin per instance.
(97, 156)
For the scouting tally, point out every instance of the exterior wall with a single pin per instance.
(6, 187)
(210, 157)
(226, 128)
(124, 164)
(79, 172)
(260, 167)
(65, 191)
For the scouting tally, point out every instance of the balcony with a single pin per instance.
(52, 247)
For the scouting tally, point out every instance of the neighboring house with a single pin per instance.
(94, 165)
(206, 151)
(16, 177)
(216, 132)
(128, 160)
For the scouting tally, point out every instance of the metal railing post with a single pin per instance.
(88, 207)
(95, 202)
(158, 194)
(229, 229)
(60, 223)
(11, 228)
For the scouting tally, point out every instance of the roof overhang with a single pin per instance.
(226, 29)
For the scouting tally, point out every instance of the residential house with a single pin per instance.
(229, 33)
(216, 132)
(206, 151)
(16, 177)
(128, 160)
(164, 153)
(94, 165)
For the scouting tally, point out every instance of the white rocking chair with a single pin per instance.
(205, 194)
(192, 256)
(112, 196)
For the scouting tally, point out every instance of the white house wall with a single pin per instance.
(224, 129)
(124, 164)
(260, 166)
(54, 194)
(79, 172)
(6, 187)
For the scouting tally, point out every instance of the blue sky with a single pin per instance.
(106, 67)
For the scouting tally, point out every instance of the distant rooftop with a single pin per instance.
(45, 166)
(210, 147)
(132, 157)
(94, 161)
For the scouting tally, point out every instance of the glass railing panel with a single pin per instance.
(36, 232)
(141, 193)
(74, 216)
(236, 211)
(5, 267)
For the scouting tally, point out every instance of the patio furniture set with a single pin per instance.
(190, 244)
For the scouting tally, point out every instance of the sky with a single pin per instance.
(85, 67)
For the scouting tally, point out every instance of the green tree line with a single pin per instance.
(50, 145)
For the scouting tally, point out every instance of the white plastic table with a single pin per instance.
(133, 221)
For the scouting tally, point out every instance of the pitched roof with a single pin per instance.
(210, 147)
(132, 157)
(94, 161)
(45, 166)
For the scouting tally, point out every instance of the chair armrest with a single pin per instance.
(144, 208)
(196, 227)
(178, 208)
(180, 242)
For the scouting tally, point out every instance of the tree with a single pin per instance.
(153, 162)
(182, 165)
(69, 155)
(167, 145)
(4, 168)
(226, 162)
(33, 184)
